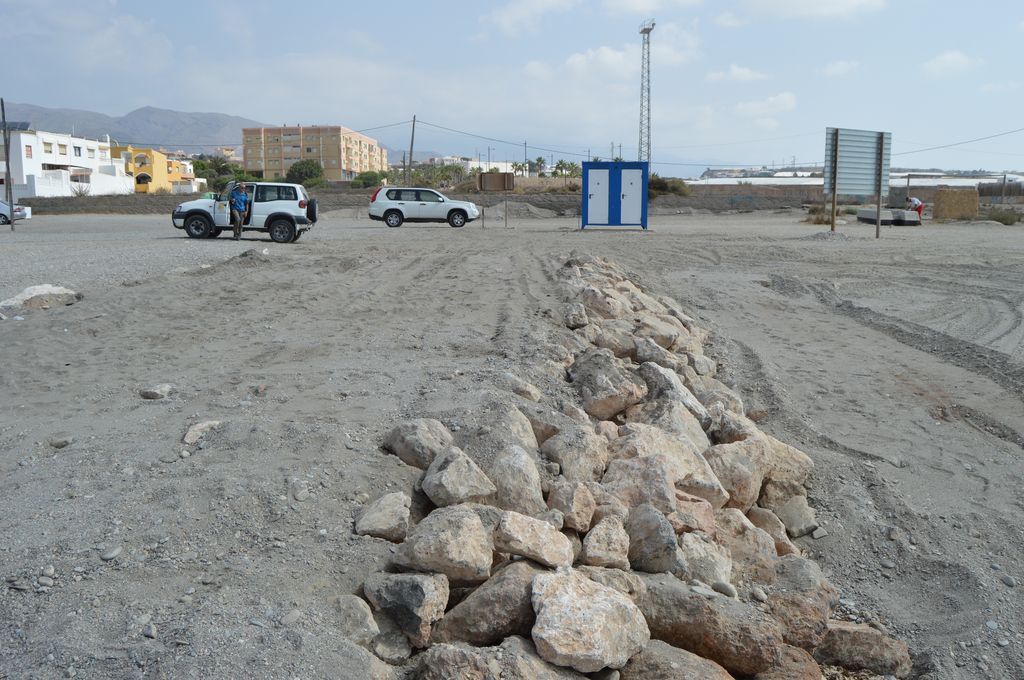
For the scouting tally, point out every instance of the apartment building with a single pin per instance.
(55, 164)
(342, 153)
(157, 171)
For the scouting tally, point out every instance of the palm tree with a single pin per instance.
(541, 165)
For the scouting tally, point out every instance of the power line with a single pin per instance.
(968, 141)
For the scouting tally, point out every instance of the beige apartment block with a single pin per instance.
(342, 153)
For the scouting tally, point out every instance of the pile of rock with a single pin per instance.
(648, 534)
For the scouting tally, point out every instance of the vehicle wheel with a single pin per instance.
(217, 231)
(197, 226)
(457, 218)
(313, 210)
(282, 231)
(4, 219)
(298, 235)
(393, 218)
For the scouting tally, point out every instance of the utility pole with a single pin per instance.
(526, 162)
(8, 189)
(644, 153)
(412, 140)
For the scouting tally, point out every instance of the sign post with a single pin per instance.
(857, 164)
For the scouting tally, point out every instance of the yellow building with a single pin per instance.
(155, 172)
(342, 153)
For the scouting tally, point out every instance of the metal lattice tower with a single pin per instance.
(644, 153)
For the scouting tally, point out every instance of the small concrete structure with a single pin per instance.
(898, 217)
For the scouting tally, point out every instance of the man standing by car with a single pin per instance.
(239, 201)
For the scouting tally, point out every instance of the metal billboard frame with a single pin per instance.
(856, 164)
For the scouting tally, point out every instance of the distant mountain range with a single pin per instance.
(148, 126)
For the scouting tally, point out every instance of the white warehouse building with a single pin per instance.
(55, 164)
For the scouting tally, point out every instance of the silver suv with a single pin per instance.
(285, 211)
(395, 205)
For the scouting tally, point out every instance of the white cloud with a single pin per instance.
(816, 8)
(949, 63)
(764, 108)
(766, 123)
(645, 7)
(525, 14)
(728, 20)
(735, 73)
(537, 70)
(605, 62)
(843, 67)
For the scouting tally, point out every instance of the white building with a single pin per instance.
(55, 164)
(468, 164)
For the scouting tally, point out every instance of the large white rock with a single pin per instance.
(534, 539)
(604, 385)
(581, 453)
(418, 441)
(450, 541)
(387, 517)
(606, 545)
(454, 478)
(583, 624)
(517, 482)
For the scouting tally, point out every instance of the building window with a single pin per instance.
(92, 153)
(62, 149)
(309, 149)
(78, 152)
(28, 151)
(47, 147)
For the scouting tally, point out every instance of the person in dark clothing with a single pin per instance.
(239, 202)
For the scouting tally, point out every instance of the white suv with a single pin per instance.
(285, 211)
(395, 205)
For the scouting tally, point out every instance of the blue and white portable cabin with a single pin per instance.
(615, 194)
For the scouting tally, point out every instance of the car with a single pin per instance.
(285, 211)
(395, 205)
(20, 212)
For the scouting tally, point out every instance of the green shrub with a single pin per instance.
(849, 210)
(658, 185)
(1005, 216)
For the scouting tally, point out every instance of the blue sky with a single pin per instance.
(733, 81)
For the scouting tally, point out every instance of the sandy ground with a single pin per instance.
(896, 364)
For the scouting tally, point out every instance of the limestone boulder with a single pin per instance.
(688, 469)
(417, 441)
(787, 463)
(607, 303)
(727, 427)
(737, 636)
(626, 582)
(387, 517)
(517, 482)
(703, 365)
(575, 316)
(635, 481)
(606, 545)
(581, 453)
(653, 546)
(514, 659)
(665, 383)
(546, 422)
(737, 473)
(692, 514)
(646, 350)
(665, 662)
(534, 539)
(768, 522)
(604, 385)
(664, 331)
(752, 550)
(672, 416)
(788, 501)
(796, 664)
(584, 625)
(706, 560)
(575, 502)
(450, 541)
(615, 335)
(354, 620)
(501, 607)
(413, 601)
(856, 646)
(454, 478)
(802, 601)
(710, 391)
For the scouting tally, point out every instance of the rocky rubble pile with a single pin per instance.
(643, 532)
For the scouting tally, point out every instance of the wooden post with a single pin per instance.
(1002, 200)
(412, 140)
(835, 175)
(878, 185)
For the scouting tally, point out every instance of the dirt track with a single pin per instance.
(896, 364)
